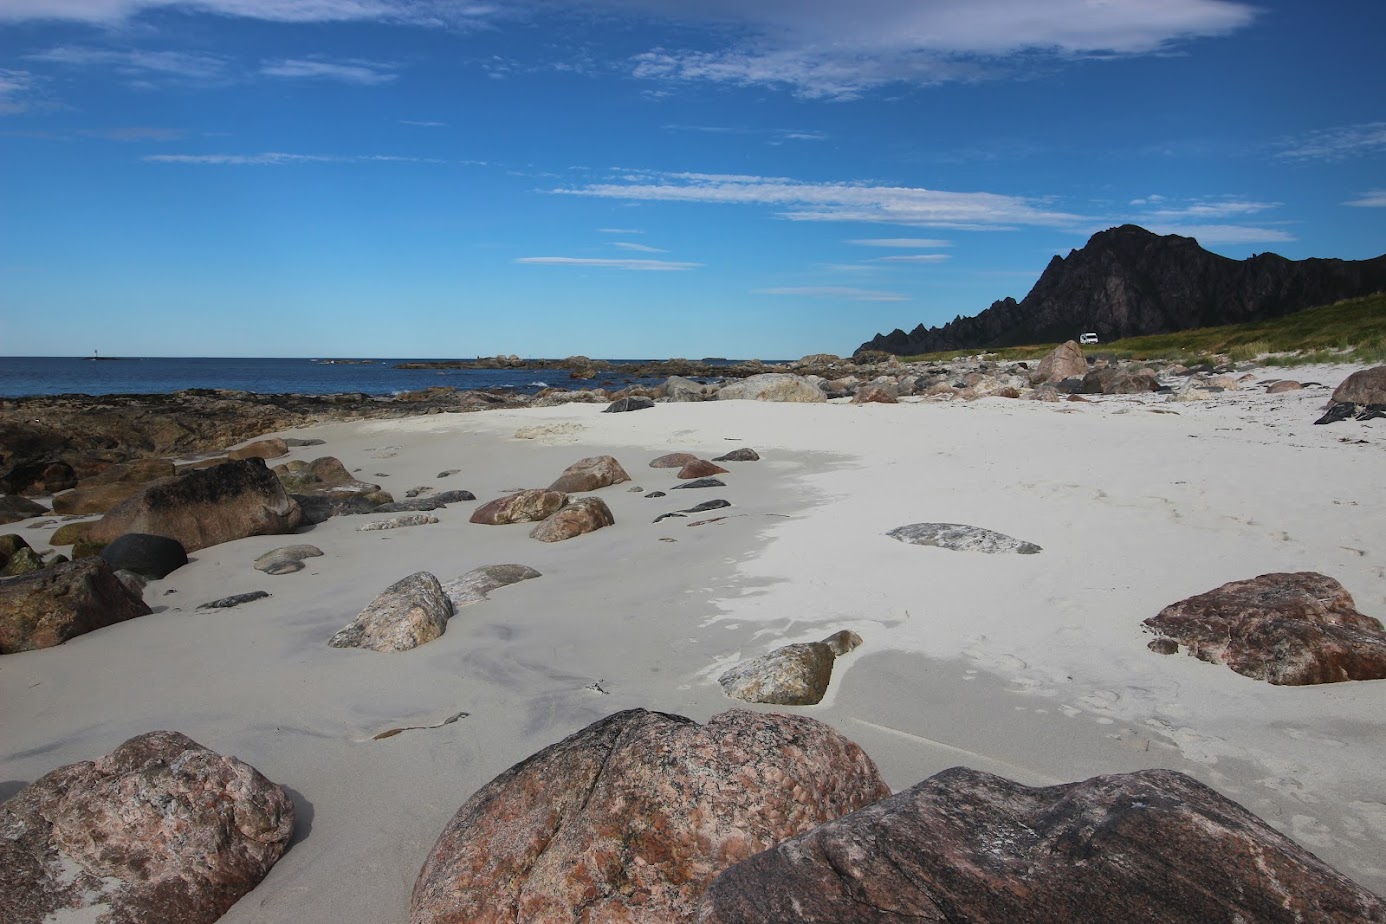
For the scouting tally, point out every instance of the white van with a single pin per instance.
(1088, 338)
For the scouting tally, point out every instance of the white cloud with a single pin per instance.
(826, 48)
(912, 243)
(913, 258)
(452, 13)
(139, 63)
(1225, 234)
(645, 265)
(366, 73)
(619, 231)
(1376, 199)
(845, 293)
(1203, 209)
(641, 248)
(798, 201)
(1334, 144)
(279, 158)
(16, 91)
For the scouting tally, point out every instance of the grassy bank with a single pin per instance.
(1349, 331)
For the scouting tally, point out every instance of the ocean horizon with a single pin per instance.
(35, 376)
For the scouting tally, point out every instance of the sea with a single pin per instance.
(24, 376)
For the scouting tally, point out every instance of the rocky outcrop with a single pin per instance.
(49, 607)
(271, 448)
(773, 386)
(590, 474)
(204, 508)
(581, 516)
(521, 507)
(965, 846)
(630, 818)
(410, 612)
(1285, 628)
(475, 585)
(795, 675)
(1127, 281)
(148, 556)
(160, 829)
(961, 538)
(323, 488)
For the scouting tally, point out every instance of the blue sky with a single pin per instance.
(644, 177)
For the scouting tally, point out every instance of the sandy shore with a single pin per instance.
(1031, 666)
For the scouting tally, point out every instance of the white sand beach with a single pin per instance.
(1031, 666)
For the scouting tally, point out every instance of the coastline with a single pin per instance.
(1032, 666)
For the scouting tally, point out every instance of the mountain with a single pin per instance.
(1128, 281)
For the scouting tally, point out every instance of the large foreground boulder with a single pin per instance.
(630, 818)
(159, 830)
(203, 508)
(964, 846)
(582, 516)
(410, 612)
(773, 386)
(1366, 386)
(521, 507)
(49, 607)
(1065, 361)
(590, 474)
(1285, 628)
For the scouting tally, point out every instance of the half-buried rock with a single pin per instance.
(286, 559)
(739, 455)
(700, 468)
(49, 607)
(1156, 847)
(522, 507)
(1285, 628)
(630, 818)
(473, 586)
(207, 507)
(673, 460)
(161, 829)
(148, 556)
(795, 675)
(581, 516)
(590, 474)
(407, 614)
(961, 538)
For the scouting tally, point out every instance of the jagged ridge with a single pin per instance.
(1128, 281)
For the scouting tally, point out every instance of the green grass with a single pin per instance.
(1350, 331)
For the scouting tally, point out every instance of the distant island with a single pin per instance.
(1128, 281)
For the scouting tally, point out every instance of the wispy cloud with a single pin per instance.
(641, 265)
(1225, 234)
(912, 243)
(1160, 208)
(133, 133)
(1334, 144)
(619, 231)
(365, 73)
(828, 49)
(843, 293)
(279, 158)
(449, 13)
(913, 258)
(772, 135)
(1376, 199)
(140, 63)
(799, 201)
(16, 91)
(641, 248)
(422, 124)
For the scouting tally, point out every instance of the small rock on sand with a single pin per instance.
(961, 538)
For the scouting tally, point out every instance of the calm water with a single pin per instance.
(50, 375)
